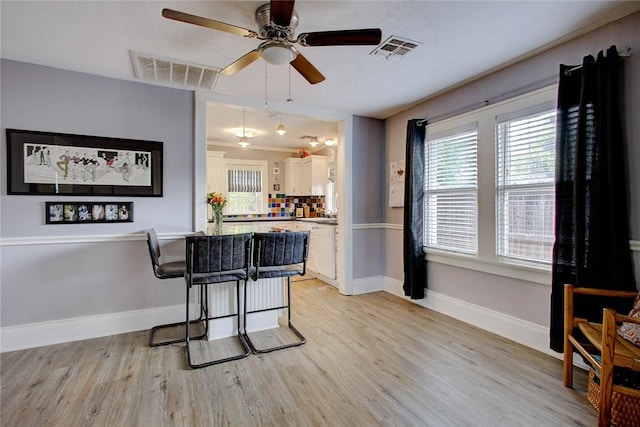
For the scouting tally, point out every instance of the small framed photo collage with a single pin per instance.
(88, 212)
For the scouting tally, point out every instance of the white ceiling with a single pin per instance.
(460, 40)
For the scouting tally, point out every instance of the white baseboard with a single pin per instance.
(368, 284)
(518, 330)
(31, 335)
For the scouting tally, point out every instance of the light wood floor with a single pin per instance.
(369, 360)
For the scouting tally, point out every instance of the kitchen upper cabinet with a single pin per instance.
(306, 177)
(293, 177)
(215, 172)
(316, 175)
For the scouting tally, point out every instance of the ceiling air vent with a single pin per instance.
(172, 72)
(395, 47)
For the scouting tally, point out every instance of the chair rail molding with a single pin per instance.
(69, 239)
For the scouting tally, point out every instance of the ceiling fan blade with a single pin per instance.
(208, 23)
(367, 36)
(240, 63)
(281, 11)
(307, 70)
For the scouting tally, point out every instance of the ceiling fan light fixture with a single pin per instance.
(244, 142)
(277, 53)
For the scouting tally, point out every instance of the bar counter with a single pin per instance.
(263, 293)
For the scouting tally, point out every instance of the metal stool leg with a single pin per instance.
(155, 329)
(247, 350)
(287, 306)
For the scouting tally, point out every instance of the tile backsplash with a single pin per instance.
(286, 205)
(281, 205)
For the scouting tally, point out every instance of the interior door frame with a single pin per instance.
(344, 259)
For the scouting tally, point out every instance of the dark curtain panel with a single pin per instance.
(415, 268)
(591, 246)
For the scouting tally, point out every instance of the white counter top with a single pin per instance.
(260, 219)
(322, 220)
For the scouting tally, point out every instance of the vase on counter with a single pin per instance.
(217, 220)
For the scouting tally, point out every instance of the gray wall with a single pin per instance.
(524, 300)
(57, 278)
(369, 196)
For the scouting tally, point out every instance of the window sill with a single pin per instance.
(514, 271)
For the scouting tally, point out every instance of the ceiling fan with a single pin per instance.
(277, 22)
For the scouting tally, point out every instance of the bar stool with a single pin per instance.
(166, 270)
(213, 260)
(278, 255)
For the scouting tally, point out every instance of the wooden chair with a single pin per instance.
(601, 339)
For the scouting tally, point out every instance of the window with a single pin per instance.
(489, 188)
(451, 191)
(525, 196)
(245, 184)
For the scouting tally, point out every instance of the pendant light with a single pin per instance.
(330, 142)
(313, 140)
(244, 141)
(281, 129)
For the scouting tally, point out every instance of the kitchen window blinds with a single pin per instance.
(451, 191)
(525, 193)
(244, 181)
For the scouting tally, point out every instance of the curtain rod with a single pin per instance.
(625, 52)
(539, 84)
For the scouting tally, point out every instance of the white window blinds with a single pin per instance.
(451, 187)
(244, 181)
(525, 194)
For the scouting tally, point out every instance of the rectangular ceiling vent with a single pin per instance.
(395, 47)
(172, 72)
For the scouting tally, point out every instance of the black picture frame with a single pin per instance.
(81, 165)
(88, 212)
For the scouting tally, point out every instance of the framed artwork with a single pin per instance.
(88, 212)
(79, 165)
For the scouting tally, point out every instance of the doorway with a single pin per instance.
(343, 155)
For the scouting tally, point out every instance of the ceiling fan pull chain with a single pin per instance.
(289, 99)
(266, 104)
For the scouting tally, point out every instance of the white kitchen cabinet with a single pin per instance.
(322, 251)
(306, 177)
(316, 175)
(293, 177)
(215, 172)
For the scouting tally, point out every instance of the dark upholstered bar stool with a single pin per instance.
(278, 255)
(166, 270)
(213, 260)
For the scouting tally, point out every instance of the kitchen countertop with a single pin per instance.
(322, 220)
(319, 220)
(260, 219)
